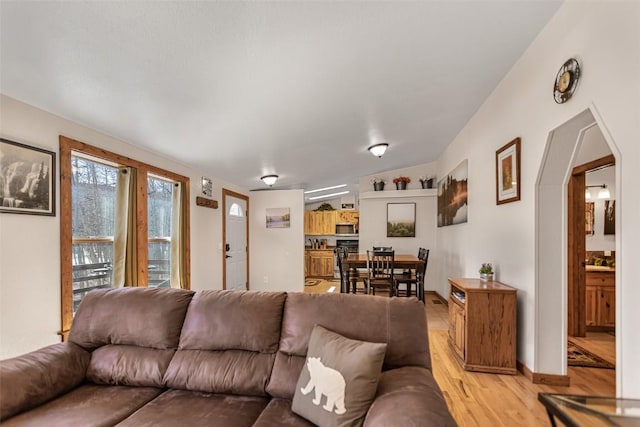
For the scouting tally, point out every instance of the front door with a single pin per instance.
(236, 247)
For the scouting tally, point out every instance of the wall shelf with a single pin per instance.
(393, 194)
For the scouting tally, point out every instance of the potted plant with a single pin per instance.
(426, 181)
(378, 183)
(486, 272)
(401, 182)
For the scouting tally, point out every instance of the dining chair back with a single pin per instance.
(380, 266)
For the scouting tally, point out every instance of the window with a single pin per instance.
(235, 210)
(123, 223)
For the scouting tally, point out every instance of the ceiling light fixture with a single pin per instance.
(269, 179)
(604, 193)
(329, 195)
(325, 189)
(378, 149)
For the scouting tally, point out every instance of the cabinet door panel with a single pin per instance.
(592, 300)
(607, 315)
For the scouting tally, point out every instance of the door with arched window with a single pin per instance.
(235, 236)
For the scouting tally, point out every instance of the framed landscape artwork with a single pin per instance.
(508, 173)
(452, 196)
(27, 179)
(609, 217)
(278, 218)
(589, 218)
(401, 220)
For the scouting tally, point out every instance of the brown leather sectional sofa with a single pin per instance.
(153, 357)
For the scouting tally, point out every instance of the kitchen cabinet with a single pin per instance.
(347, 217)
(320, 223)
(600, 300)
(319, 262)
(482, 325)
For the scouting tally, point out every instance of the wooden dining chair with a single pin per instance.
(380, 265)
(414, 278)
(348, 282)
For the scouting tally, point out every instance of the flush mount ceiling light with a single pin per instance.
(378, 149)
(325, 189)
(269, 179)
(602, 194)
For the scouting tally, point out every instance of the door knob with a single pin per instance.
(227, 256)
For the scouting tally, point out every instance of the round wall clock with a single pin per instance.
(566, 81)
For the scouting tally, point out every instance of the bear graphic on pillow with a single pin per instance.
(327, 381)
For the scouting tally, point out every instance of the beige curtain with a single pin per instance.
(124, 239)
(178, 240)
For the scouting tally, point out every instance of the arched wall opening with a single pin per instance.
(551, 269)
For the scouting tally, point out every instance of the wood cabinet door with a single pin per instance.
(592, 299)
(320, 264)
(607, 306)
(347, 217)
(457, 313)
(328, 222)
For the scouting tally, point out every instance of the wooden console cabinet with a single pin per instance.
(482, 325)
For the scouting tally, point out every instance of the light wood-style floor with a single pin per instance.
(478, 399)
(599, 343)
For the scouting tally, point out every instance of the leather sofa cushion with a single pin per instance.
(419, 395)
(129, 365)
(189, 408)
(61, 366)
(144, 317)
(229, 372)
(224, 320)
(278, 413)
(89, 405)
(400, 322)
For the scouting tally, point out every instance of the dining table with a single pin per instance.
(400, 261)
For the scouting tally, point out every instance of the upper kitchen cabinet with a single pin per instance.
(347, 217)
(320, 223)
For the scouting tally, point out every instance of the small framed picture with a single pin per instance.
(27, 179)
(401, 220)
(278, 218)
(508, 173)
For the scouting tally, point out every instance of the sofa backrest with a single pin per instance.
(400, 322)
(228, 342)
(131, 332)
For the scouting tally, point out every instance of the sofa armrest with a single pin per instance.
(31, 379)
(408, 396)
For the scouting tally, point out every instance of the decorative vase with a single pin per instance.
(401, 185)
(486, 277)
(378, 186)
(427, 183)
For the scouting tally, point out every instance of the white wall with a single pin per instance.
(30, 245)
(599, 241)
(604, 36)
(276, 255)
(373, 230)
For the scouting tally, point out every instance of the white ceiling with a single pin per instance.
(242, 89)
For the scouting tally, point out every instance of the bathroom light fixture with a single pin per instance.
(269, 179)
(329, 195)
(604, 192)
(378, 149)
(325, 189)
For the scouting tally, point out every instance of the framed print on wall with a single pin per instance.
(278, 218)
(27, 179)
(453, 190)
(401, 220)
(508, 173)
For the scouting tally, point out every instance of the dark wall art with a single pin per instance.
(609, 217)
(27, 179)
(452, 196)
